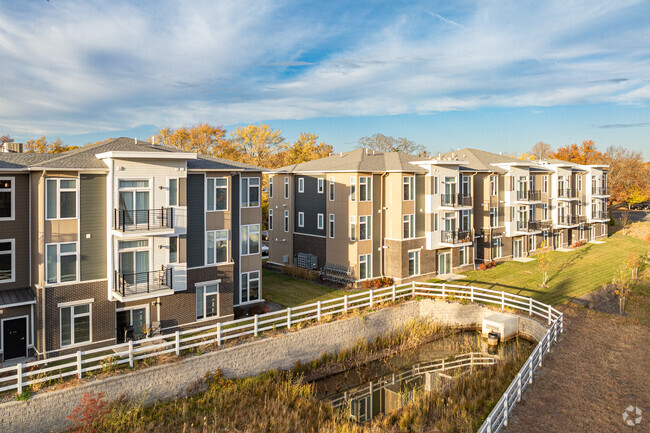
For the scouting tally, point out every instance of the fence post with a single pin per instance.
(130, 355)
(177, 338)
(503, 301)
(505, 409)
(472, 293)
(78, 364)
(288, 317)
(530, 306)
(519, 386)
(561, 322)
(255, 325)
(489, 424)
(19, 377)
(443, 290)
(549, 314)
(393, 293)
(371, 296)
(413, 289)
(219, 334)
(319, 308)
(345, 304)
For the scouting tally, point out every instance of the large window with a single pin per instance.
(409, 226)
(61, 198)
(494, 217)
(286, 220)
(250, 191)
(301, 184)
(250, 239)
(365, 227)
(75, 324)
(320, 221)
(409, 190)
(207, 301)
(331, 225)
(216, 247)
(414, 263)
(494, 187)
(173, 192)
(217, 193)
(250, 287)
(332, 183)
(61, 263)
(466, 220)
(545, 211)
(496, 248)
(365, 188)
(270, 223)
(7, 261)
(365, 266)
(464, 255)
(7, 198)
(321, 185)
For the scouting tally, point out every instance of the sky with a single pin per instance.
(494, 75)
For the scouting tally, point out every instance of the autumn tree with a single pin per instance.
(544, 262)
(305, 148)
(41, 145)
(6, 139)
(584, 153)
(540, 150)
(628, 174)
(258, 145)
(202, 138)
(384, 143)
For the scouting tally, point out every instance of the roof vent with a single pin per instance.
(341, 155)
(153, 140)
(135, 140)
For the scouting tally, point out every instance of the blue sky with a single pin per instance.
(497, 75)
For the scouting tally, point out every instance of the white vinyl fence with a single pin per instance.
(105, 358)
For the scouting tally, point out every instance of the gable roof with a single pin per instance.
(16, 161)
(205, 162)
(358, 160)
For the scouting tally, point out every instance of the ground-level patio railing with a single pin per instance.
(106, 358)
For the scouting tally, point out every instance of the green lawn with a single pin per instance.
(573, 273)
(290, 292)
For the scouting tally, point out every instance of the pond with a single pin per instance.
(388, 384)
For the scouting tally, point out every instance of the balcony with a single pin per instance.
(533, 226)
(143, 220)
(600, 216)
(142, 285)
(600, 191)
(569, 193)
(455, 200)
(529, 195)
(455, 237)
(568, 220)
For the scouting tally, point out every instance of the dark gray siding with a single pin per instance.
(195, 220)
(235, 228)
(18, 230)
(377, 190)
(419, 205)
(311, 203)
(92, 214)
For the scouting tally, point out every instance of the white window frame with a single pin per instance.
(545, 184)
(170, 249)
(320, 221)
(72, 306)
(301, 184)
(203, 285)
(248, 280)
(410, 220)
(367, 221)
(286, 187)
(496, 217)
(58, 262)
(416, 262)
(497, 244)
(494, 185)
(321, 185)
(466, 215)
(545, 212)
(271, 187)
(248, 244)
(579, 183)
(269, 224)
(353, 228)
(214, 251)
(301, 219)
(286, 221)
(353, 188)
(332, 226)
(13, 259)
(245, 192)
(410, 182)
(169, 191)
(58, 197)
(365, 181)
(331, 189)
(12, 192)
(463, 254)
(365, 259)
(214, 193)
(435, 184)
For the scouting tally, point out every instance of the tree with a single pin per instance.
(624, 279)
(544, 262)
(202, 138)
(584, 153)
(541, 150)
(304, 149)
(42, 146)
(6, 139)
(258, 145)
(635, 195)
(384, 143)
(627, 171)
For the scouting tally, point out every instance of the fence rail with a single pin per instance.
(84, 361)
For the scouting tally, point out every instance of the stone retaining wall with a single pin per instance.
(46, 412)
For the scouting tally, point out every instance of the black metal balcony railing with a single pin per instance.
(567, 193)
(455, 236)
(459, 199)
(529, 195)
(600, 215)
(582, 219)
(145, 219)
(568, 220)
(600, 191)
(143, 282)
(532, 226)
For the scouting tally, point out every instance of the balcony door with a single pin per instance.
(136, 317)
(134, 261)
(450, 190)
(134, 201)
(518, 248)
(450, 221)
(444, 263)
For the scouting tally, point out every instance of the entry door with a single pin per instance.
(557, 238)
(444, 263)
(14, 338)
(518, 247)
(136, 317)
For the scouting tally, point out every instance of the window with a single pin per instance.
(332, 189)
(365, 188)
(464, 255)
(286, 220)
(250, 239)
(207, 301)
(435, 184)
(579, 210)
(173, 192)
(531, 212)
(250, 191)
(270, 223)
(365, 227)
(75, 324)
(286, 187)
(331, 225)
(494, 186)
(414, 263)
(544, 211)
(496, 248)
(7, 261)
(250, 287)
(301, 184)
(216, 247)
(466, 220)
(61, 198)
(466, 186)
(494, 217)
(531, 243)
(409, 190)
(270, 187)
(321, 185)
(409, 226)
(320, 221)
(61, 264)
(301, 219)
(579, 183)
(545, 184)
(353, 228)
(6, 198)
(365, 267)
(435, 221)
(216, 193)
(353, 188)
(173, 249)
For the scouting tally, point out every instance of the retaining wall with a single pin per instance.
(46, 412)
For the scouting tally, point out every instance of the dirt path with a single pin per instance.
(600, 366)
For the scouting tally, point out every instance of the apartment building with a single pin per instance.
(122, 239)
(389, 214)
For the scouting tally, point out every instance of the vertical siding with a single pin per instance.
(235, 206)
(420, 216)
(311, 203)
(18, 230)
(376, 226)
(196, 220)
(92, 210)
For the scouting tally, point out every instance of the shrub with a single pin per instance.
(298, 272)
(91, 407)
(259, 309)
(482, 267)
(367, 284)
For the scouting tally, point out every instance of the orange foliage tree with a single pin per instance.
(584, 153)
(42, 146)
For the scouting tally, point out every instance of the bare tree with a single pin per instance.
(541, 150)
(385, 143)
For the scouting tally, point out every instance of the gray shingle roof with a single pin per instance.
(485, 161)
(358, 160)
(16, 296)
(14, 161)
(205, 162)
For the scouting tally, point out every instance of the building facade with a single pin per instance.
(120, 240)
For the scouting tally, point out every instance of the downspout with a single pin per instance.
(41, 188)
(381, 224)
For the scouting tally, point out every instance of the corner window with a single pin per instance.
(321, 185)
(414, 263)
(286, 187)
(216, 244)
(250, 287)
(331, 225)
(286, 220)
(7, 261)
(61, 198)
(216, 193)
(207, 301)
(301, 219)
(365, 229)
(365, 188)
(320, 221)
(173, 249)
(332, 183)
(250, 191)
(409, 190)
(173, 192)
(270, 222)
(61, 265)
(75, 324)
(301, 184)
(353, 188)
(365, 266)
(250, 239)
(7, 198)
(409, 226)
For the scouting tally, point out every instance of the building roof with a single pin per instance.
(359, 160)
(481, 160)
(17, 297)
(13, 161)
(205, 162)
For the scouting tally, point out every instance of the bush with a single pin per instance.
(487, 265)
(91, 407)
(258, 309)
(482, 267)
(303, 273)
